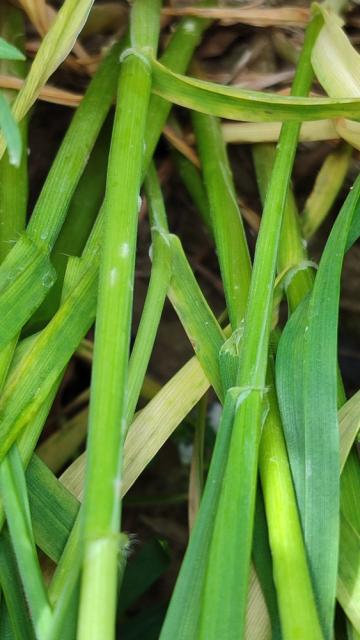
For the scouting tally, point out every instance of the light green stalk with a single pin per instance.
(107, 427)
(296, 601)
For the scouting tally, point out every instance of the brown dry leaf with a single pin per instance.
(47, 93)
(260, 81)
(254, 16)
(38, 13)
(251, 52)
(217, 44)
(251, 217)
(245, 133)
(181, 145)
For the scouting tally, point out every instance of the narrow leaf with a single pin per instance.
(307, 388)
(9, 52)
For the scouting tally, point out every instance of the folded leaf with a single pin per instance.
(241, 104)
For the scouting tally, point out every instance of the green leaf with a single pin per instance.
(183, 616)
(9, 52)
(31, 381)
(141, 572)
(177, 57)
(14, 495)
(348, 588)
(53, 509)
(349, 422)
(81, 214)
(11, 132)
(195, 314)
(226, 220)
(307, 387)
(225, 564)
(17, 609)
(155, 295)
(225, 591)
(26, 276)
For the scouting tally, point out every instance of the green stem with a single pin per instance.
(155, 297)
(177, 57)
(292, 251)
(102, 504)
